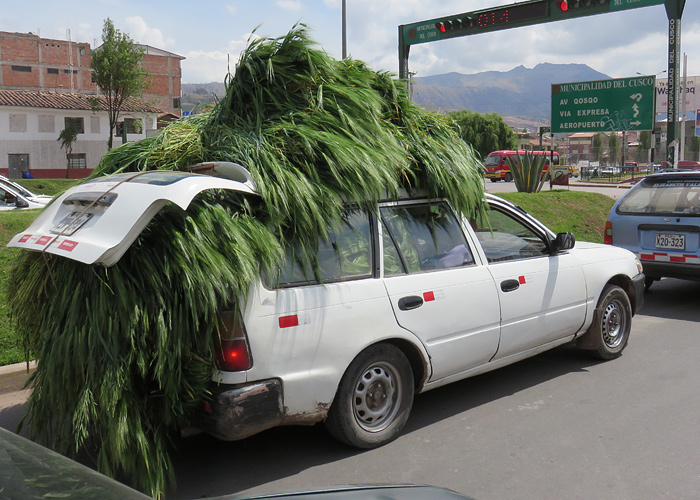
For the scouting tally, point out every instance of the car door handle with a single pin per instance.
(410, 302)
(510, 285)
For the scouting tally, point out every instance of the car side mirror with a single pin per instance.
(20, 203)
(563, 241)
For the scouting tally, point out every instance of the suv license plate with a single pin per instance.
(670, 241)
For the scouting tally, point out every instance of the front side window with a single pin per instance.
(665, 196)
(346, 255)
(424, 237)
(508, 238)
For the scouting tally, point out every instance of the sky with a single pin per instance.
(211, 35)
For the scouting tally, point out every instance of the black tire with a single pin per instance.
(374, 398)
(612, 323)
(494, 180)
(508, 177)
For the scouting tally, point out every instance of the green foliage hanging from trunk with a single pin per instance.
(528, 172)
(125, 352)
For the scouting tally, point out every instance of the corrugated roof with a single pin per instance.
(64, 100)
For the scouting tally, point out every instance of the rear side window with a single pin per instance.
(663, 197)
(347, 254)
(424, 237)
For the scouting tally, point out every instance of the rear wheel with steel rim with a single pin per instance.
(612, 322)
(374, 398)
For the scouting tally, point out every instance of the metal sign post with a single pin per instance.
(674, 11)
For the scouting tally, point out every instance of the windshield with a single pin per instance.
(492, 160)
(665, 196)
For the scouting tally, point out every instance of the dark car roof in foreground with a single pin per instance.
(362, 492)
(29, 470)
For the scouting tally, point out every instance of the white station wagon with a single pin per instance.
(407, 297)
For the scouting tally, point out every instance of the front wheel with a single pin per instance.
(374, 398)
(508, 177)
(608, 335)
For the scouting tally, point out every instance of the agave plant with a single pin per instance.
(125, 352)
(528, 172)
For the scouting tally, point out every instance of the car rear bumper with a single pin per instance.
(239, 411)
(680, 270)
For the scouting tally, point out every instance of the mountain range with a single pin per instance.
(522, 95)
(521, 92)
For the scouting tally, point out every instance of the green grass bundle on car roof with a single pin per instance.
(125, 352)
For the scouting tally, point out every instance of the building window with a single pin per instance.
(76, 123)
(177, 102)
(94, 124)
(76, 160)
(18, 123)
(46, 124)
(133, 126)
(82, 51)
(52, 71)
(22, 69)
(67, 71)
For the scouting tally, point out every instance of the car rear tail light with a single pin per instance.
(232, 351)
(608, 234)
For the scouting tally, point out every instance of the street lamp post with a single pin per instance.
(344, 49)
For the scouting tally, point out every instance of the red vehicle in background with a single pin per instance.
(496, 165)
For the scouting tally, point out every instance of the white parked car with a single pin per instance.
(11, 199)
(41, 199)
(412, 296)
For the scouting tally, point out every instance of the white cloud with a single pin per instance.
(232, 8)
(140, 32)
(290, 5)
(212, 66)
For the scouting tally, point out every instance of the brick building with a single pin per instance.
(29, 62)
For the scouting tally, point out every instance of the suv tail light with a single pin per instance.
(232, 352)
(608, 235)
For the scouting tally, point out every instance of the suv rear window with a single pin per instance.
(663, 196)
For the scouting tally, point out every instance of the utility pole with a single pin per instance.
(344, 48)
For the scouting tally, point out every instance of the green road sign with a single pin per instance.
(603, 105)
(631, 4)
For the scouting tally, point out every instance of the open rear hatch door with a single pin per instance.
(96, 222)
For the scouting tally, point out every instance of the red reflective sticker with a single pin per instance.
(288, 321)
(677, 259)
(428, 296)
(43, 240)
(646, 256)
(24, 238)
(68, 245)
(521, 280)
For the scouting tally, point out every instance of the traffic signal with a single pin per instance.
(119, 129)
(455, 23)
(575, 8)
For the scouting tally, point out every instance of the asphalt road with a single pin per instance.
(559, 425)
(615, 191)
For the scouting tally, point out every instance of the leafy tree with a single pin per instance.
(598, 146)
(485, 133)
(67, 137)
(644, 145)
(614, 146)
(117, 71)
(695, 146)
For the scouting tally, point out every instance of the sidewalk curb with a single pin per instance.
(14, 377)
